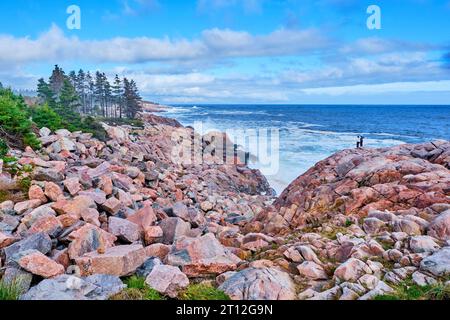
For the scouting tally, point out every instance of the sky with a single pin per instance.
(238, 51)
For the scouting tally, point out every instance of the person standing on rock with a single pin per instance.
(358, 142)
(361, 141)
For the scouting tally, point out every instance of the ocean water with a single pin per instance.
(308, 134)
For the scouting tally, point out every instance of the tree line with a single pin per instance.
(90, 95)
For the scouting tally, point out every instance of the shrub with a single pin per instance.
(44, 116)
(407, 290)
(203, 292)
(14, 120)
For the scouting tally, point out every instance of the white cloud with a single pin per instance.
(398, 87)
(213, 44)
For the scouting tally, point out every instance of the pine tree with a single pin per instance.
(57, 81)
(68, 105)
(90, 85)
(81, 89)
(132, 99)
(45, 94)
(118, 96)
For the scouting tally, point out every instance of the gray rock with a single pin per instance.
(66, 287)
(260, 284)
(39, 241)
(437, 264)
(381, 289)
(147, 267)
(45, 174)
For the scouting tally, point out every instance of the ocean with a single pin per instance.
(310, 133)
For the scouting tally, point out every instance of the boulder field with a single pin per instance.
(353, 227)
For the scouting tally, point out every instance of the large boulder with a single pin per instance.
(120, 261)
(202, 256)
(167, 280)
(66, 287)
(259, 284)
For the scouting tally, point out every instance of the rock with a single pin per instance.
(206, 206)
(259, 284)
(91, 216)
(153, 234)
(312, 270)
(167, 280)
(44, 132)
(36, 193)
(440, 226)
(373, 225)
(147, 267)
(174, 228)
(144, 218)
(398, 275)
(99, 196)
(6, 240)
(220, 279)
(158, 250)
(420, 244)
(63, 144)
(437, 264)
(202, 256)
(77, 206)
(89, 238)
(72, 185)
(409, 227)
(381, 289)
(47, 174)
(123, 229)
(120, 261)
(53, 191)
(348, 295)
(22, 207)
(40, 242)
(352, 270)
(330, 294)
(66, 287)
(47, 224)
(37, 263)
(180, 210)
(369, 281)
(422, 280)
(38, 213)
(112, 205)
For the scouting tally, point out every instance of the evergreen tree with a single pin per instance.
(132, 99)
(90, 87)
(57, 81)
(118, 96)
(80, 86)
(45, 94)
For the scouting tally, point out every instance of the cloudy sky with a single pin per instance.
(239, 51)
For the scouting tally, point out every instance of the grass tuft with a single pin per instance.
(203, 292)
(9, 292)
(137, 289)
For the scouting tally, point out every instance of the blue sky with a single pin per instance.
(239, 51)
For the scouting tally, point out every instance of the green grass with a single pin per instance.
(410, 291)
(137, 289)
(9, 292)
(203, 292)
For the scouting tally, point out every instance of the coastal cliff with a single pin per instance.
(355, 226)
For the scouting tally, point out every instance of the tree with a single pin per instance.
(57, 81)
(132, 99)
(118, 96)
(45, 94)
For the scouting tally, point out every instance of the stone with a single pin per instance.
(124, 229)
(369, 281)
(44, 132)
(77, 206)
(36, 193)
(158, 250)
(112, 205)
(348, 295)
(206, 206)
(67, 287)
(174, 228)
(47, 174)
(147, 267)
(423, 280)
(351, 270)
(167, 280)
(381, 289)
(312, 270)
(180, 210)
(91, 216)
(259, 284)
(440, 226)
(221, 278)
(202, 256)
(437, 264)
(419, 244)
(373, 225)
(153, 234)
(120, 261)
(409, 227)
(22, 207)
(53, 191)
(330, 294)
(144, 218)
(37, 263)
(6, 240)
(39, 241)
(47, 224)
(63, 144)
(89, 238)
(38, 213)
(72, 185)
(99, 196)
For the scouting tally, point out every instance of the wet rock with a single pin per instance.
(167, 280)
(259, 284)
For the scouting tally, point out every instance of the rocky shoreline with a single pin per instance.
(355, 226)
